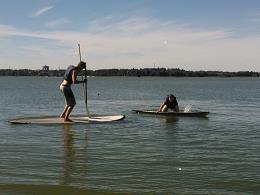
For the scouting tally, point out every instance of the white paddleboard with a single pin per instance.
(48, 120)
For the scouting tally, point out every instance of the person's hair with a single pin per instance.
(81, 65)
(172, 96)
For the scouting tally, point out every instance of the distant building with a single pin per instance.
(45, 68)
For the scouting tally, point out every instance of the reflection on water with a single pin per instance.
(170, 120)
(75, 158)
(69, 155)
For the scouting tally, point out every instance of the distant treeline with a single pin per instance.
(161, 72)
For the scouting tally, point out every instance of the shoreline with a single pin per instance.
(145, 72)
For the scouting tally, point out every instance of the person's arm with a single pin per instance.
(160, 109)
(74, 78)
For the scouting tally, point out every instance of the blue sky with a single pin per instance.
(188, 34)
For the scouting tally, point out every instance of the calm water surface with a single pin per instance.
(142, 154)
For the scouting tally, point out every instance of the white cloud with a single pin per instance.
(140, 42)
(57, 23)
(42, 11)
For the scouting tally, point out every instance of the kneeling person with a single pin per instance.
(170, 102)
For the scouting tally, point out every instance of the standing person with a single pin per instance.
(70, 77)
(170, 102)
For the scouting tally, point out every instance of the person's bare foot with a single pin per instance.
(67, 120)
(62, 116)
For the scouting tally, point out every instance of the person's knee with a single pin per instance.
(165, 108)
(72, 104)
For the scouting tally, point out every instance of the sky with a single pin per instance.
(188, 34)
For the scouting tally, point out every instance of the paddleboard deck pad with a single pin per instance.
(48, 120)
(174, 114)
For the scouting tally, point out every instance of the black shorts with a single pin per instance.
(68, 94)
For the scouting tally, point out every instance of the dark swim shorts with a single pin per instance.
(68, 94)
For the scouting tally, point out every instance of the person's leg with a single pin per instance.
(67, 114)
(165, 108)
(64, 111)
(70, 102)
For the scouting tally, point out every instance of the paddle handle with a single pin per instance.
(79, 52)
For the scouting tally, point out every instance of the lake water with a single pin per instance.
(142, 154)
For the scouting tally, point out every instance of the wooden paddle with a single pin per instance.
(84, 84)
